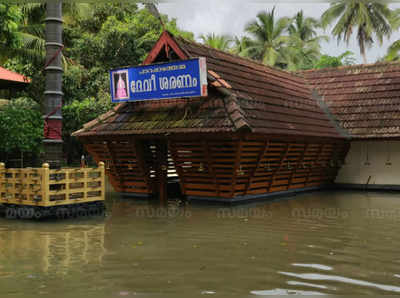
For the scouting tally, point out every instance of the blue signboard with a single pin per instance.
(185, 78)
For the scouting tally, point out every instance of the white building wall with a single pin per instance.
(372, 162)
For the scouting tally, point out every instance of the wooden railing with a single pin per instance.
(46, 187)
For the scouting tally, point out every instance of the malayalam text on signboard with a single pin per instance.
(185, 78)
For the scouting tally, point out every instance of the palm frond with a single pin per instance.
(393, 52)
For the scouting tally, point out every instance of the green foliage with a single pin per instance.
(99, 14)
(107, 39)
(393, 53)
(10, 18)
(347, 58)
(303, 27)
(21, 126)
(304, 44)
(300, 54)
(220, 42)
(30, 34)
(288, 43)
(78, 112)
(240, 44)
(75, 115)
(268, 39)
(172, 27)
(370, 19)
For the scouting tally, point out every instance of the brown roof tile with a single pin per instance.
(243, 95)
(365, 99)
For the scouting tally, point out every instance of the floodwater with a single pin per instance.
(315, 243)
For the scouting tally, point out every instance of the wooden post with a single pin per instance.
(2, 177)
(298, 164)
(311, 168)
(103, 180)
(45, 183)
(138, 148)
(67, 184)
(85, 182)
(113, 160)
(252, 175)
(162, 171)
(178, 166)
(236, 165)
(276, 171)
(210, 166)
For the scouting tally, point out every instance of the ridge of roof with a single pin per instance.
(286, 72)
(348, 67)
(234, 110)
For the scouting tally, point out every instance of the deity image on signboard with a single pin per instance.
(120, 84)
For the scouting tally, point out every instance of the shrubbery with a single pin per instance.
(21, 128)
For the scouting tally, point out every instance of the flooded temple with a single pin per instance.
(259, 131)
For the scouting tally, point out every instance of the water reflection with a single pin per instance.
(50, 249)
(330, 243)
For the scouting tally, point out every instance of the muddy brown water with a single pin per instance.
(315, 243)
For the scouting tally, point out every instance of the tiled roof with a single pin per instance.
(244, 95)
(155, 117)
(273, 101)
(365, 99)
(8, 77)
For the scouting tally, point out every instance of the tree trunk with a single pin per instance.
(364, 57)
(361, 43)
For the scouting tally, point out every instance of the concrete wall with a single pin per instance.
(376, 161)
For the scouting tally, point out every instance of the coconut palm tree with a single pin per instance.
(240, 45)
(304, 44)
(300, 54)
(303, 27)
(31, 31)
(10, 17)
(393, 53)
(28, 32)
(369, 18)
(268, 41)
(220, 42)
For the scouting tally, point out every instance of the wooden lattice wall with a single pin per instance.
(227, 167)
(241, 167)
(126, 171)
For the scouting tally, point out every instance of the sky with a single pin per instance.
(231, 16)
